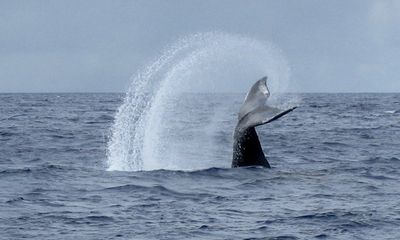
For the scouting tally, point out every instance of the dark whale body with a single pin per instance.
(247, 150)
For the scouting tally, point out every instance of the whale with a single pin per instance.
(247, 150)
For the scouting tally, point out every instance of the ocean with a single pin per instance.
(335, 171)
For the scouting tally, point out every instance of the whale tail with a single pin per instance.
(254, 112)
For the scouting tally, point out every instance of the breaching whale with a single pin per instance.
(254, 112)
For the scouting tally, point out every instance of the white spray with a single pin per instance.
(205, 62)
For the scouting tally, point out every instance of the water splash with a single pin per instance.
(144, 135)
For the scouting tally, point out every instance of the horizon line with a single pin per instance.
(117, 92)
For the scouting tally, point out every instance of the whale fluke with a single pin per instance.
(247, 150)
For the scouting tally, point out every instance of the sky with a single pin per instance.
(96, 45)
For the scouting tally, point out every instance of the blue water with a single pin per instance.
(335, 175)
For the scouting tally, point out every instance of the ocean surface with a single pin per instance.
(335, 172)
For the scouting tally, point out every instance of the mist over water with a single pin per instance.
(148, 132)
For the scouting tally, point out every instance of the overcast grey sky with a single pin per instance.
(90, 46)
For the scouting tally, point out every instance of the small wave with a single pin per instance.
(370, 175)
(17, 199)
(73, 119)
(54, 166)
(284, 237)
(16, 171)
(318, 105)
(209, 172)
(321, 236)
(358, 129)
(100, 218)
(338, 144)
(106, 117)
(13, 117)
(43, 169)
(7, 134)
(159, 190)
(392, 111)
(354, 224)
(326, 215)
(92, 219)
(34, 160)
(320, 195)
(366, 136)
(39, 190)
(63, 136)
(95, 122)
(389, 160)
(363, 106)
